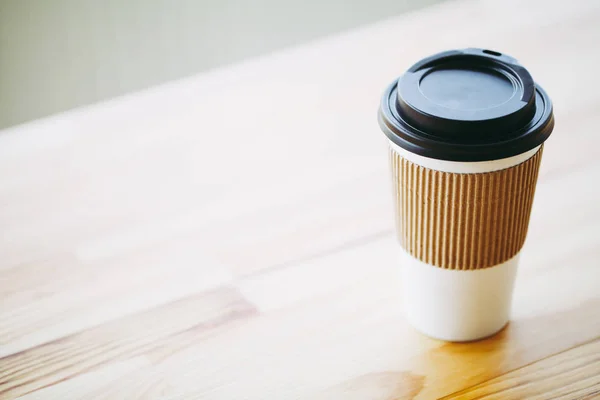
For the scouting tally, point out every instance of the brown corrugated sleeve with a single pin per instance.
(463, 221)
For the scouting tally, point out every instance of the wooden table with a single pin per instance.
(230, 235)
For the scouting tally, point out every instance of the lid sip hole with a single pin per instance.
(493, 53)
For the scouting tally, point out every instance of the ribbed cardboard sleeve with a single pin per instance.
(463, 221)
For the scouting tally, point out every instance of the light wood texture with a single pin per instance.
(161, 246)
(574, 374)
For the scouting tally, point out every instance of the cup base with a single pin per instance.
(457, 305)
(457, 340)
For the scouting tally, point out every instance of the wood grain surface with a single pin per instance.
(207, 240)
(574, 373)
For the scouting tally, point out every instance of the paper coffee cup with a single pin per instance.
(466, 130)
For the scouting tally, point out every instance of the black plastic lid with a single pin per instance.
(466, 105)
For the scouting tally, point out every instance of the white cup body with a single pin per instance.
(455, 305)
(458, 305)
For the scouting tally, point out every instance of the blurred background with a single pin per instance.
(56, 55)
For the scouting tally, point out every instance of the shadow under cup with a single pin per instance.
(466, 131)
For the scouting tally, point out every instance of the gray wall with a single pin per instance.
(60, 54)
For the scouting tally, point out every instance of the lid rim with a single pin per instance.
(507, 134)
(422, 144)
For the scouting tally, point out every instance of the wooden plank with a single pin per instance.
(125, 345)
(74, 295)
(572, 374)
(318, 334)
